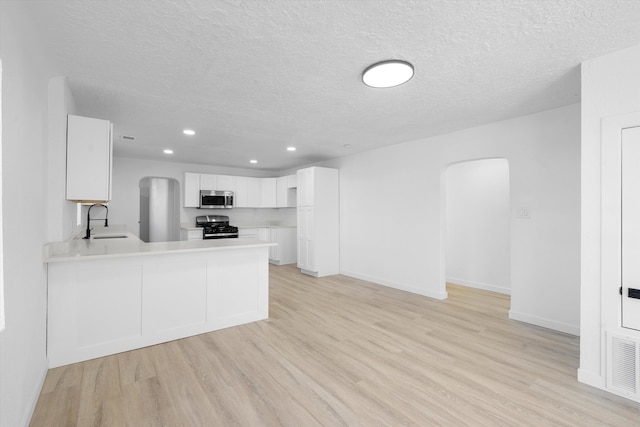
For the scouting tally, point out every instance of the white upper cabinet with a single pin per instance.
(240, 198)
(292, 181)
(89, 156)
(268, 197)
(213, 182)
(286, 192)
(226, 183)
(249, 192)
(191, 190)
(208, 181)
(254, 189)
(305, 182)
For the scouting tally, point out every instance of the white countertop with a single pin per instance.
(266, 226)
(189, 227)
(78, 249)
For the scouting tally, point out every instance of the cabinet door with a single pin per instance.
(281, 192)
(268, 193)
(286, 192)
(306, 230)
(193, 234)
(264, 234)
(191, 190)
(292, 181)
(226, 183)
(240, 198)
(247, 233)
(274, 250)
(254, 197)
(208, 181)
(285, 252)
(305, 184)
(89, 152)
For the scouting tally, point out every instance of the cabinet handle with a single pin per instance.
(633, 293)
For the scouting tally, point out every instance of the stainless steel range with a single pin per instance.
(216, 227)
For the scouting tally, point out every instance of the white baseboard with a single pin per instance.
(36, 394)
(479, 285)
(399, 286)
(592, 379)
(545, 323)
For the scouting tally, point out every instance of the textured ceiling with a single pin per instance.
(252, 77)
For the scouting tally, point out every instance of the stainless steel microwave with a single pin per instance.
(214, 199)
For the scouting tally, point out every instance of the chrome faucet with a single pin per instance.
(106, 219)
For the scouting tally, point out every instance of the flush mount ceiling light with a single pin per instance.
(387, 73)
(291, 148)
(253, 161)
(168, 151)
(189, 132)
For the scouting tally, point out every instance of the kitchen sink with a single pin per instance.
(111, 236)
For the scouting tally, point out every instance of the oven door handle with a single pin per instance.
(221, 234)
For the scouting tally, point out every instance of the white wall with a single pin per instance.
(610, 87)
(125, 204)
(61, 213)
(478, 225)
(26, 74)
(401, 244)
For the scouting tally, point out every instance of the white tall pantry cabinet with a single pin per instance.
(318, 221)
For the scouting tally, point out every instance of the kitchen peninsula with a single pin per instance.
(115, 293)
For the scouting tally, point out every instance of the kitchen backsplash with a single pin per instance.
(245, 216)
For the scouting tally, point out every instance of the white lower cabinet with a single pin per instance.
(306, 231)
(174, 295)
(102, 307)
(191, 233)
(264, 234)
(285, 251)
(249, 233)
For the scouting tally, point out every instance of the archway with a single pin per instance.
(477, 218)
(159, 209)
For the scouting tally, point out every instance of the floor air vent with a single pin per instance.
(623, 365)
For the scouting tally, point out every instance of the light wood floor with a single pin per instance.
(340, 351)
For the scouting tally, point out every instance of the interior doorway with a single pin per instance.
(478, 226)
(630, 227)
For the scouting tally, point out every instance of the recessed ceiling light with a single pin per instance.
(291, 148)
(168, 151)
(253, 161)
(387, 73)
(347, 146)
(189, 132)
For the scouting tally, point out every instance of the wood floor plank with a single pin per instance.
(339, 351)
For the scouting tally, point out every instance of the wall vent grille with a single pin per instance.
(623, 365)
